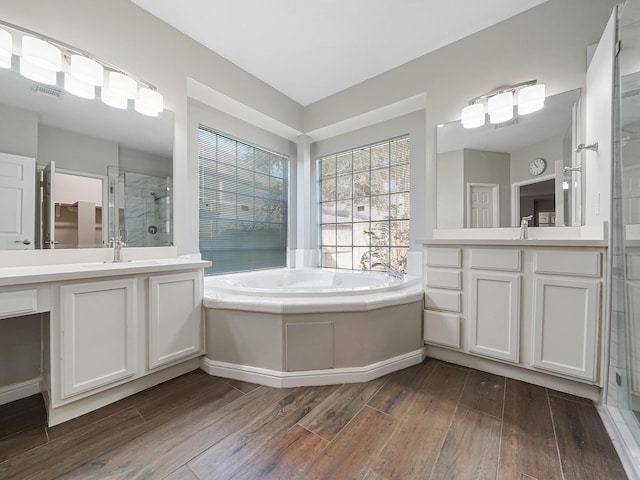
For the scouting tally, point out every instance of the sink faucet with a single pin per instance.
(117, 244)
(393, 272)
(524, 227)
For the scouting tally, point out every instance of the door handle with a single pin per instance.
(50, 243)
(26, 242)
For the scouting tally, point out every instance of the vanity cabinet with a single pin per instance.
(123, 328)
(98, 326)
(532, 307)
(175, 318)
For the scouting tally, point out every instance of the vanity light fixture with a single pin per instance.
(41, 53)
(78, 87)
(6, 48)
(149, 102)
(86, 70)
(114, 99)
(122, 85)
(531, 99)
(500, 107)
(473, 115)
(42, 57)
(37, 73)
(500, 104)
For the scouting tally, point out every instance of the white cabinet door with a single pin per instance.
(494, 323)
(98, 334)
(565, 326)
(175, 317)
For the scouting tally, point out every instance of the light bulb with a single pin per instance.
(149, 102)
(37, 73)
(114, 99)
(78, 87)
(122, 84)
(41, 54)
(500, 107)
(87, 70)
(473, 116)
(531, 99)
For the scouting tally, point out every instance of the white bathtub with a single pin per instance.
(313, 282)
(287, 327)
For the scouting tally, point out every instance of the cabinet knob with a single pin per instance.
(25, 241)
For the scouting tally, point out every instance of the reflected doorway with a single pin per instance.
(536, 198)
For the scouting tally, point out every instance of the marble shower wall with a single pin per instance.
(145, 210)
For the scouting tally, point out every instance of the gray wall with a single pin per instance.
(18, 131)
(145, 163)
(76, 152)
(451, 189)
(550, 149)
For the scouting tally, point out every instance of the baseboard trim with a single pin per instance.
(277, 379)
(84, 405)
(16, 391)
(620, 440)
(517, 372)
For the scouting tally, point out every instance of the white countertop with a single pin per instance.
(516, 243)
(21, 275)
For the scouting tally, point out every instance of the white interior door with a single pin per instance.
(48, 207)
(482, 205)
(17, 198)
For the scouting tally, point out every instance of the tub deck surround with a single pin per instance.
(530, 309)
(109, 329)
(322, 327)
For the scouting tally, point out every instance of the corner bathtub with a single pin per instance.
(293, 327)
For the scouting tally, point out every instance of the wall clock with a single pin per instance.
(537, 166)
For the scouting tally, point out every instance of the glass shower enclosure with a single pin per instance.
(140, 209)
(622, 399)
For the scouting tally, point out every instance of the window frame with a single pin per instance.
(375, 247)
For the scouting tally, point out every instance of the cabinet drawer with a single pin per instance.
(492, 259)
(448, 301)
(21, 302)
(442, 329)
(444, 257)
(583, 264)
(449, 279)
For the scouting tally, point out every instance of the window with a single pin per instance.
(243, 204)
(364, 207)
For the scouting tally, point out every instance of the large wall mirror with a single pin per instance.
(494, 175)
(80, 146)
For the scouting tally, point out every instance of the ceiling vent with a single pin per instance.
(46, 90)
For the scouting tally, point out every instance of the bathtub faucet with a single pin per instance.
(393, 272)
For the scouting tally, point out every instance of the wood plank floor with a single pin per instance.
(430, 421)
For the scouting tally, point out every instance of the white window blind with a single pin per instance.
(243, 204)
(364, 206)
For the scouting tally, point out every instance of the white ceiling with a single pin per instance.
(311, 49)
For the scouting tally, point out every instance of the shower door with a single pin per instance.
(623, 389)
